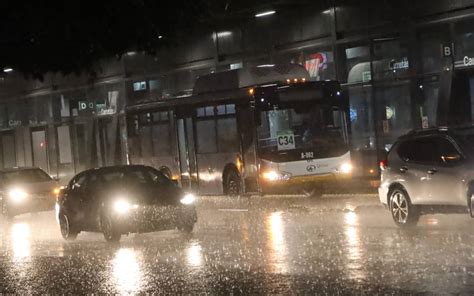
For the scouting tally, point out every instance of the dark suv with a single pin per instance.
(429, 171)
(123, 199)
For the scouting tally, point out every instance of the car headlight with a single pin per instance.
(346, 168)
(17, 195)
(275, 176)
(188, 199)
(122, 206)
(56, 191)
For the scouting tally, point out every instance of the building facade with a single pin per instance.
(403, 65)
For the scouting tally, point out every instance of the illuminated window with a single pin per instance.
(140, 85)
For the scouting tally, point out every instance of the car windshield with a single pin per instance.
(315, 130)
(25, 176)
(134, 177)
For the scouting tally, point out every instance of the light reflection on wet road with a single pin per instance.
(263, 245)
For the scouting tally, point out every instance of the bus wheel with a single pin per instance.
(232, 184)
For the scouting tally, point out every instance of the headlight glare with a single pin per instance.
(188, 199)
(17, 195)
(346, 168)
(122, 206)
(271, 176)
(275, 176)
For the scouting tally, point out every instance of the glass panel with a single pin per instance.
(394, 110)
(221, 110)
(206, 136)
(210, 111)
(9, 154)
(39, 110)
(145, 143)
(429, 104)
(15, 114)
(390, 59)
(161, 139)
(230, 109)
(318, 62)
(464, 42)
(431, 40)
(361, 118)
(3, 116)
(312, 129)
(201, 112)
(40, 158)
(64, 145)
(358, 64)
(227, 135)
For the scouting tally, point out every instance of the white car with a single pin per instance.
(26, 190)
(429, 171)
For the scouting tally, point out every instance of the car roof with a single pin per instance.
(436, 131)
(118, 168)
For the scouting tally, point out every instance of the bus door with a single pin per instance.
(187, 153)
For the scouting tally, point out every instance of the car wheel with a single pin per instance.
(233, 184)
(67, 231)
(111, 234)
(404, 214)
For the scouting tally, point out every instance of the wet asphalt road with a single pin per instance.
(270, 245)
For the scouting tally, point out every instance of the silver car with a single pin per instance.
(26, 190)
(429, 171)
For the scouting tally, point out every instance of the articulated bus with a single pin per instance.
(266, 129)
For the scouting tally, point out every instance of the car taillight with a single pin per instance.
(383, 164)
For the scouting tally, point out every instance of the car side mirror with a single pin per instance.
(451, 158)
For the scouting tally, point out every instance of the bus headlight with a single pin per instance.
(346, 168)
(188, 199)
(17, 195)
(275, 176)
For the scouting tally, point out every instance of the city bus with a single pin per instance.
(265, 129)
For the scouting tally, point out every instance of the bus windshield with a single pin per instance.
(308, 133)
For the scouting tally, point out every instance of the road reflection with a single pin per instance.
(126, 271)
(353, 265)
(194, 255)
(20, 235)
(277, 250)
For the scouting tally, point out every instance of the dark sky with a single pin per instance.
(66, 36)
(69, 35)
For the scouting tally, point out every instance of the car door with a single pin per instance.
(444, 182)
(91, 201)
(73, 197)
(417, 156)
